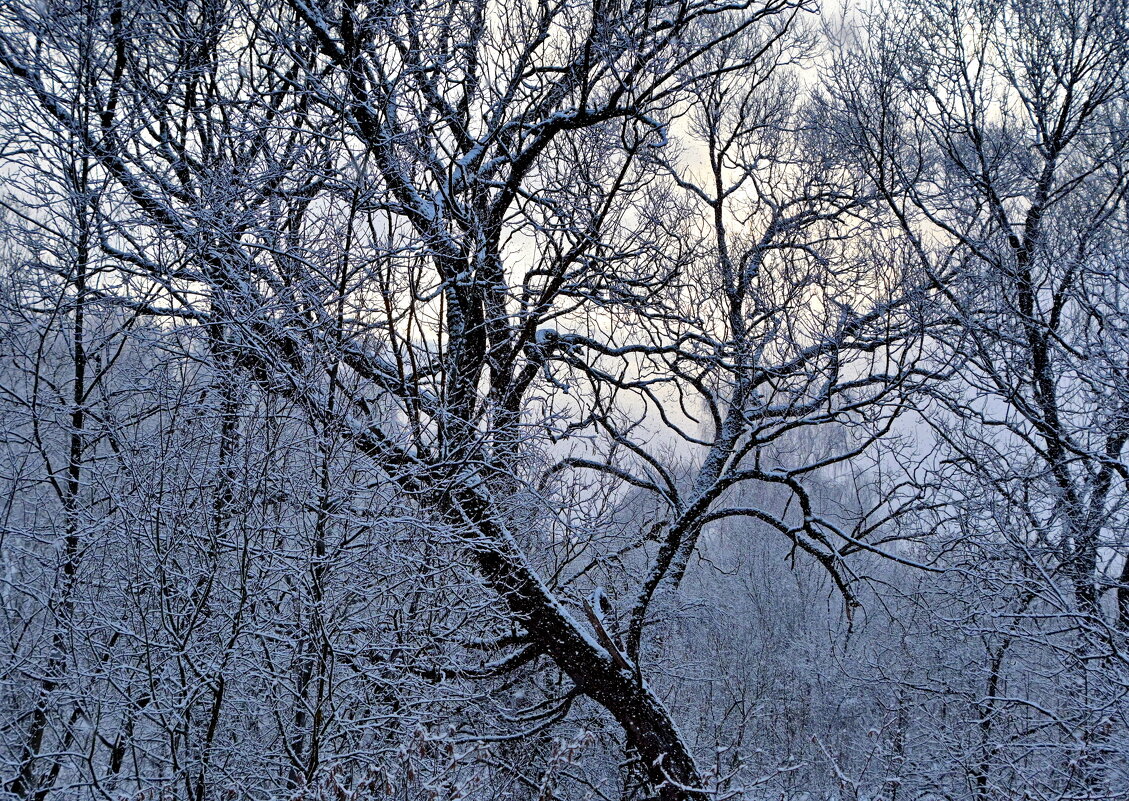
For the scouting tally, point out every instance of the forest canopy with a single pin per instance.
(564, 399)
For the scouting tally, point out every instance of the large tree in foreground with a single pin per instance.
(528, 261)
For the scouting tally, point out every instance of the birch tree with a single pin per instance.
(459, 240)
(996, 135)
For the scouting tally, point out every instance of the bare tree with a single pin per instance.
(996, 135)
(459, 242)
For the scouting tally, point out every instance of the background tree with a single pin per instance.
(995, 133)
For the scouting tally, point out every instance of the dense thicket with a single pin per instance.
(564, 399)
